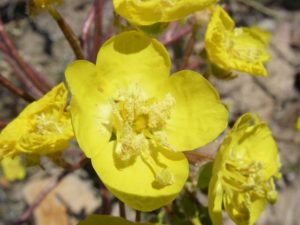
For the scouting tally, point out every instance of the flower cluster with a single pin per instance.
(135, 121)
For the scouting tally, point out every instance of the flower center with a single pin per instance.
(138, 125)
(47, 124)
(243, 182)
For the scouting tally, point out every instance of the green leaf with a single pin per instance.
(205, 175)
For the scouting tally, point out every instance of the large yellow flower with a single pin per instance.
(42, 128)
(243, 172)
(147, 12)
(241, 49)
(133, 120)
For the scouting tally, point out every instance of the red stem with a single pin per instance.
(98, 8)
(170, 31)
(30, 72)
(14, 89)
(85, 32)
(22, 77)
(170, 40)
(189, 48)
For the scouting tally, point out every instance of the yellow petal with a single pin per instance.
(215, 199)
(13, 168)
(258, 142)
(150, 12)
(109, 220)
(257, 207)
(133, 183)
(198, 116)
(88, 111)
(10, 135)
(132, 57)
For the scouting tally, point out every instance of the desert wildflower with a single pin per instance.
(236, 49)
(104, 219)
(134, 121)
(42, 128)
(141, 12)
(243, 172)
(37, 6)
(13, 168)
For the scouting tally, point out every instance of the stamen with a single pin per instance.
(163, 177)
(245, 179)
(138, 122)
(46, 124)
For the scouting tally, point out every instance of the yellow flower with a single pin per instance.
(241, 49)
(145, 12)
(243, 172)
(13, 168)
(133, 120)
(298, 124)
(43, 127)
(37, 6)
(109, 220)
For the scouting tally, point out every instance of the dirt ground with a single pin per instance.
(275, 98)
